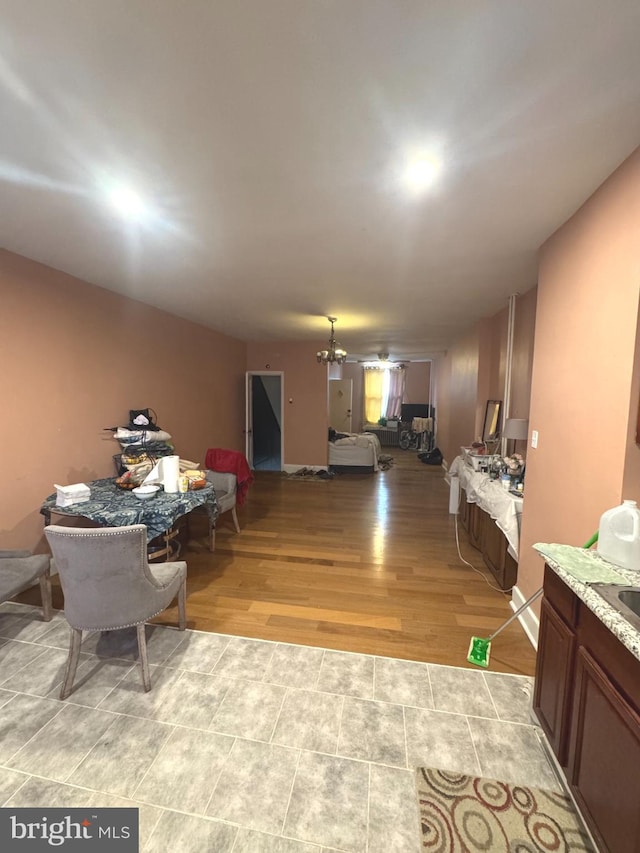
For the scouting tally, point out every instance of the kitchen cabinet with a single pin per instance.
(552, 697)
(485, 535)
(587, 698)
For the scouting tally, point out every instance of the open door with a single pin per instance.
(264, 421)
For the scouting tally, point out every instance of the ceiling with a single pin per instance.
(268, 139)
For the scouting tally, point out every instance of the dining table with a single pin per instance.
(111, 506)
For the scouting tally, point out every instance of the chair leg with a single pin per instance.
(45, 592)
(72, 662)
(182, 605)
(144, 661)
(234, 515)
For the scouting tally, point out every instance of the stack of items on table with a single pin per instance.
(142, 444)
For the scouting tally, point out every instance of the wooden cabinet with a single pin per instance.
(552, 695)
(465, 511)
(604, 758)
(587, 698)
(486, 536)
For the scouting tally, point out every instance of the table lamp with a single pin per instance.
(517, 429)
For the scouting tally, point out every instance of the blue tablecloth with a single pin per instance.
(114, 507)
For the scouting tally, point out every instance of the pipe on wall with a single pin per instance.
(506, 410)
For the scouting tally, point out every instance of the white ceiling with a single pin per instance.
(267, 137)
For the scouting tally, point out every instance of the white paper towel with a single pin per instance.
(170, 472)
(154, 476)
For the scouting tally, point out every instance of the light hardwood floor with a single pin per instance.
(356, 563)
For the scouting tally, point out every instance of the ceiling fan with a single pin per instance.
(383, 359)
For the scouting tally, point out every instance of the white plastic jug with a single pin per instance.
(619, 535)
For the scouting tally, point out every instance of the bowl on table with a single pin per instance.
(145, 492)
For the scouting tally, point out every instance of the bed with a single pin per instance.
(355, 453)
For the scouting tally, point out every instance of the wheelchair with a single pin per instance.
(409, 439)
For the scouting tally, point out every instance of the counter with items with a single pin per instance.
(587, 689)
(504, 507)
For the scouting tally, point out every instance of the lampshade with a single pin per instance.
(517, 428)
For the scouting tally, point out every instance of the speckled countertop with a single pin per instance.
(579, 568)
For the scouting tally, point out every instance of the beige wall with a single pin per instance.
(306, 419)
(75, 358)
(584, 394)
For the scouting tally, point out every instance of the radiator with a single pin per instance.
(387, 437)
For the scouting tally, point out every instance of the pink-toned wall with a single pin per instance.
(457, 394)
(418, 377)
(75, 358)
(522, 356)
(584, 392)
(473, 371)
(306, 419)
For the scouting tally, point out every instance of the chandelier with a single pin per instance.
(335, 353)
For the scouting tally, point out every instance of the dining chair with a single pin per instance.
(108, 584)
(21, 569)
(225, 485)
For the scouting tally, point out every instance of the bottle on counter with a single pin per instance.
(619, 535)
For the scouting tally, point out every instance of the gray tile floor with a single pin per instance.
(247, 746)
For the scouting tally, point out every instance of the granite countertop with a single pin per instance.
(579, 568)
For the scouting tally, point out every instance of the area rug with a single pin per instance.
(465, 814)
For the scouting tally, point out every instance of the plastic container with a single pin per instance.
(619, 535)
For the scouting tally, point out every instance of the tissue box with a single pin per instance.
(74, 494)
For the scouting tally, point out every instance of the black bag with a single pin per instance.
(143, 419)
(431, 457)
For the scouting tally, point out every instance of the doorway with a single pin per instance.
(340, 404)
(264, 419)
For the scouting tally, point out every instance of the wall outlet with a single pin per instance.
(534, 438)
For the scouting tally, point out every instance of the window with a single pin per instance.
(383, 392)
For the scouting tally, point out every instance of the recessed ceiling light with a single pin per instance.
(421, 172)
(128, 203)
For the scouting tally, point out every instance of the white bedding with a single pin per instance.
(356, 450)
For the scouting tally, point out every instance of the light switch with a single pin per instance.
(534, 438)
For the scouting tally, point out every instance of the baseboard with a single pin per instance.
(529, 621)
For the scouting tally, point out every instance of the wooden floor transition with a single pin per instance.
(357, 563)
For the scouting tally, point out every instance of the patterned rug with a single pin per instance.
(465, 814)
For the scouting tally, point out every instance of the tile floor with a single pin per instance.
(248, 746)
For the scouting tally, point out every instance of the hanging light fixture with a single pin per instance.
(335, 353)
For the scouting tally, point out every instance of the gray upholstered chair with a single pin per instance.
(108, 584)
(21, 569)
(225, 486)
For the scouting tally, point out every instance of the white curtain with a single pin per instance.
(396, 393)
